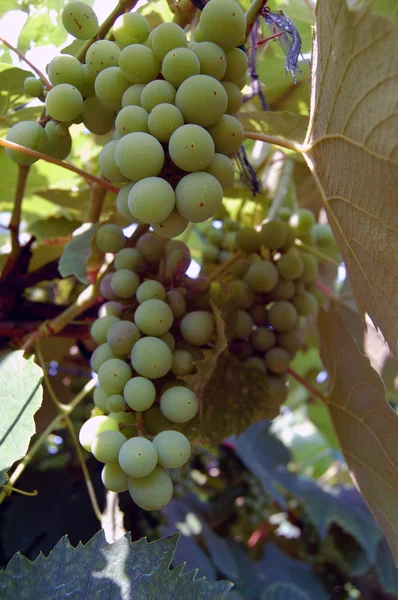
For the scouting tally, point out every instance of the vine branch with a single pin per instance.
(23, 171)
(42, 77)
(275, 141)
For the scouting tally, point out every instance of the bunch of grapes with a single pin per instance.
(149, 333)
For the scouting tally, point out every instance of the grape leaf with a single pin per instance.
(52, 228)
(351, 148)
(100, 570)
(289, 125)
(21, 395)
(78, 252)
(366, 426)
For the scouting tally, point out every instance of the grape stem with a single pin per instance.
(23, 171)
(308, 386)
(42, 77)
(224, 268)
(283, 186)
(60, 163)
(10, 489)
(275, 141)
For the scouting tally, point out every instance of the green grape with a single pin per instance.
(139, 64)
(277, 390)
(163, 121)
(179, 404)
(153, 492)
(198, 196)
(157, 92)
(33, 87)
(149, 290)
(131, 119)
(100, 327)
(305, 303)
(106, 446)
(105, 287)
(243, 294)
(277, 360)
(59, 141)
(212, 59)
(64, 102)
(262, 276)
(93, 427)
(197, 34)
(172, 245)
(262, 339)
(107, 163)
(210, 252)
(131, 28)
(110, 238)
(113, 375)
(177, 303)
(132, 96)
(259, 314)
(228, 134)
(139, 393)
(111, 308)
(171, 226)
(166, 37)
(122, 336)
(198, 328)
(323, 234)
(282, 316)
(114, 479)
(96, 117)
(110, 86)
(152, 199)
(191, 148)
(80, 20)
(182, 363)
(237, 65)
(248, 239)
(284, 290)
(303, 221)
(292, 340)
(291, 265)
(101, 55)
(202, 100)
(86, 86)
(138, 457)
(65, 69)
(254, 362)
(139, 155)
(273, 235)
(310, 272)
(124, 283)
(100, 397)
(285, 213)
(243, 325)
(173, 449)
(224, 23)
(151, 358)
(178, 65)
(169, 340)
(150, 246)
(129, 258)
(215, 236)
(194, 351)
(153, 317)
(114, 404)
(100, 355)
(235, 97)
(123, 206)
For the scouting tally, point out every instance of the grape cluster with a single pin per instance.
(149, 333)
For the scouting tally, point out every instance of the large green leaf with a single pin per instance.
(351, 148)
(77, 253)
(121, 570)
(21, 395)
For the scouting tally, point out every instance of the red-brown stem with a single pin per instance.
(44, 79)
(308, 386)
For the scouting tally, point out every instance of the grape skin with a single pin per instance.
(151, 200)
(139, 155)
(152, 492)
(223, 22)
(113, 375)
(173, 449)
(106, 445)
(198, 196)
(198, 328)
(80, 20)
(125, 283)
(171, 226)
(139, 393)
(139, 64)
(33, 87)
(107, 163)
(93, 427)
(110, 86)
(131, 28)
(166, 37)
(212, 59)
(138, 457)
(179, 404)
(101, 55)
(100, 355)
(163, 120)
(96, 117)
(179, 64)
(100, 327)
(110, 238)
(202, 100)
(153, 317)
(114, 479)
(157, 92)
(64, 102)
(122, 336)
(191, 148)
(151, 358)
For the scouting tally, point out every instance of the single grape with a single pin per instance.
(115, 403)
(237, 65)
(243, 325)
(282, 316)
(212, 59)
(152, 199)
(198, 196)
(178, 65)
(171, 226)
(224, 23)
(114, 479)
(150, 289)
(254, 362)
(93, 427)
(277, 360)
(152, 492)
(139, 64)
(191, 148)
(96, 117)
(157, 92)
(33, 87)
(100, 328)
(323, 234)
(177, 303)
(151, 358)
(262, 276)
(150, 246)
(163, 120)
(305, 303)
(139, 155)
(132, 96)
(106, 446)
(179, 404)
(202, 100)
(139, 393)
(131, 119)
(273, 235)
(107, 163)
(59, 141)
(262, 339)
(138, 457)
(290, 265)
(110, 85)
(303, 221)
(223, 169)
(198, 328)
(235, 97)
(248, 239)
(113, 375)
(166, 37)
(284, 290)
(65, 69)
(131, 28)
(100, 355)
(129, 258)
(125, 283)
(101, 55)
(169, 340)
(182, 363)
(228, 134)
(292, 340)
(111, 308)
(153, 317)
(173, 449)
(80, 20)
(122, 336)
(110, 238)
(64, 102)
(100, 397)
